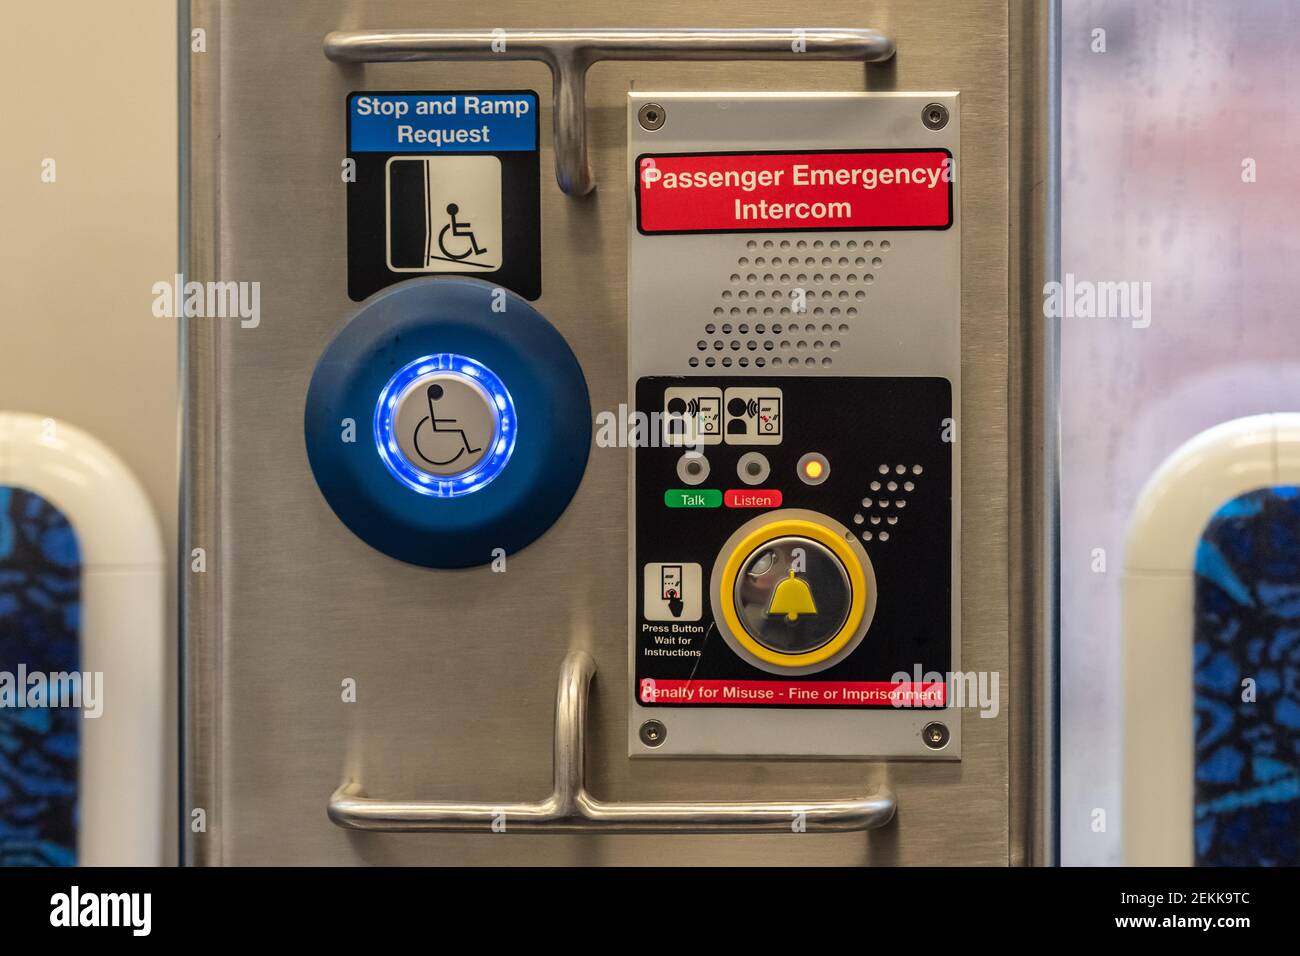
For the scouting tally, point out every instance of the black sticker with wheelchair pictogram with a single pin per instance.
(443, 184)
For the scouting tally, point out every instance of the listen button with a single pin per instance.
(753, 498)
(692, 498)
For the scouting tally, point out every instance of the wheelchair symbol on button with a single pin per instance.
(445, 424)
(441, 426)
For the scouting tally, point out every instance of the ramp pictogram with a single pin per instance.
(444, 214)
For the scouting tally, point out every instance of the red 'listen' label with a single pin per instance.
(766, 498)
(793, 192)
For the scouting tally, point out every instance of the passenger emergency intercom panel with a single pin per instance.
(794, 363)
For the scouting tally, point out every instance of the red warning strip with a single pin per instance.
(794, 192)
(801, 692)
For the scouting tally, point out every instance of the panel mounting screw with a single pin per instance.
(653, 733)
(935, 116)
(935, 735)
(651, 116)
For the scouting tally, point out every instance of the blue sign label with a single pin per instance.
(442, 122)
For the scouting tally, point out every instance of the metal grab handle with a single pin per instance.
(570, 52)
(571, 809)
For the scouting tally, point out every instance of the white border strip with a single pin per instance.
(122, 630)
(1171, 514)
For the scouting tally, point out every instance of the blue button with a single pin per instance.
(519, 479)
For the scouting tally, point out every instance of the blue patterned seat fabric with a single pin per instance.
(1247, 629)
(40, 605)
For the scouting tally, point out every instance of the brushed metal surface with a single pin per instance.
(1035, 440)
(570, 53)
(455, 670)
(571, 808)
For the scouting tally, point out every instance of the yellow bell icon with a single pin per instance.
(792, 597)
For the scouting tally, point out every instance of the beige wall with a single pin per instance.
(91, 84)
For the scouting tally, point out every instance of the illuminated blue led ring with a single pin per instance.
(487, 467)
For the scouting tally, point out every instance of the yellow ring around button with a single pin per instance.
(804, 529)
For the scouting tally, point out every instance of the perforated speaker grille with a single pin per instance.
(885, 501)
(789, 303)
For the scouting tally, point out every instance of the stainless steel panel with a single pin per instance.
(456, 670)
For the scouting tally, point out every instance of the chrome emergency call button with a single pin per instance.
(792, 594)
(444, 424)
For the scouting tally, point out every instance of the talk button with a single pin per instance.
(692, 498)
(753, 498)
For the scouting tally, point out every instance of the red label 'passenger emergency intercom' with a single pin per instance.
(790, 192)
